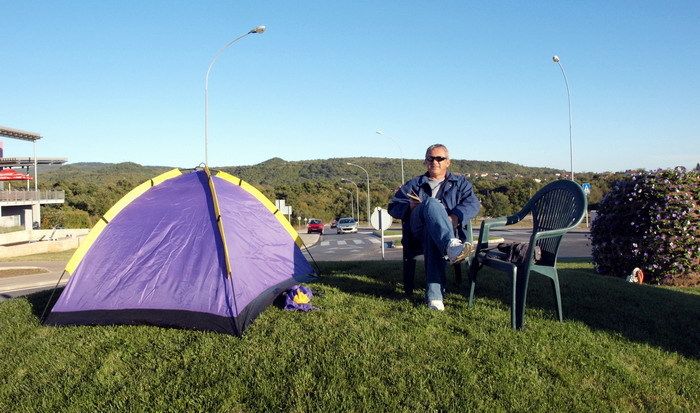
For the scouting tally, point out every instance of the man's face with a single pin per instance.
(437, 169)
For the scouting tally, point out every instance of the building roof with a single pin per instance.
(19, 134)
(29, 161)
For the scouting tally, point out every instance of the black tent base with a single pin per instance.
(190, 320)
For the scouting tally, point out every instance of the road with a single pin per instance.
(365, 246)
(361, 246)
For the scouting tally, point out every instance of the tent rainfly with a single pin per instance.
(186, 249)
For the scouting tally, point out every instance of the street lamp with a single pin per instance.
(366, 173)
(352, 206)
(403, 179)
(555, 59)
(357, 194)
(258, 29)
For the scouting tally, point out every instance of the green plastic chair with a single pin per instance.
(556, 208)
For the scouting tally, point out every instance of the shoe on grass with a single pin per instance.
(436, 305)
(458, 251)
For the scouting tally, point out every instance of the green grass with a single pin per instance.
(622, 347)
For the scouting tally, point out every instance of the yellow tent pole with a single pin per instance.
(219, 222)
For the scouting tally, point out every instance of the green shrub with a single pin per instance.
(650, 220)
(65, 217)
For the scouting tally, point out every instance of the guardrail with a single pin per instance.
(32, 196)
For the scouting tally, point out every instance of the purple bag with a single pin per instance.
(298, 298)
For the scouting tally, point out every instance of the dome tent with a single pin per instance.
(185, 249)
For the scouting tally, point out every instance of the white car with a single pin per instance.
(346, 225)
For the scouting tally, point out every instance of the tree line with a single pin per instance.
(314, 188)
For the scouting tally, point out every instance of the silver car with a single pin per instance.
(346, 225)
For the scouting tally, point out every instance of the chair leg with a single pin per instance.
(557, 294)
(409, 275)
(473, 269)
(458, 273)
(514, 299)
(521, 295)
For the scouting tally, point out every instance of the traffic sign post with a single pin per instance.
(586, 190)
(381, 220)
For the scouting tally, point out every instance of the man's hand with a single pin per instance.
(412, 203)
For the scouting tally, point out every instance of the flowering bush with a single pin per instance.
(650, 220)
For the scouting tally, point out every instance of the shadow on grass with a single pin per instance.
(658, 316)
(385, 277)
(39, 301)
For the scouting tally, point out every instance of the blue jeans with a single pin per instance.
(431, 224)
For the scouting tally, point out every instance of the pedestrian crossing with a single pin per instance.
(343, 242)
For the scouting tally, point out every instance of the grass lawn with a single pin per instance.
(622, 347)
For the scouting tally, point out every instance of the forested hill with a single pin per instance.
(312, 187)
(277, 171)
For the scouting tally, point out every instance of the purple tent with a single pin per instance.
(185, 249)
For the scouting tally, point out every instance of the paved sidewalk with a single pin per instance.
(54, 269)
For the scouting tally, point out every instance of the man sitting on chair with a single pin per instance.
(435, 204)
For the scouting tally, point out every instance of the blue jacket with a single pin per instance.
(457, 195)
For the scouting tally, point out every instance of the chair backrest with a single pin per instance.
(559, 205)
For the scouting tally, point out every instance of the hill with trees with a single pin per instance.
(311, 187)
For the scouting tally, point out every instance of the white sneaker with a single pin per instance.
(457, 251)
(436, 305)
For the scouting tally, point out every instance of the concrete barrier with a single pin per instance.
(32, 235)
(40, 247)
(30, 242)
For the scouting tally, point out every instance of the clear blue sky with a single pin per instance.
(112, 81)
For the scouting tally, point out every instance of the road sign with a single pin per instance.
(380, 219)
(586, 188)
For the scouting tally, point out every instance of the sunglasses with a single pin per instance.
(435, 158)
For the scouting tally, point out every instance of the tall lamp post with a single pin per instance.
(258, 29)
(366, 173)
(357, 194)
(556, 59)
(403, 179)
(352, 206)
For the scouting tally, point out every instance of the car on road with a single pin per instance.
(346, 225)
(314, 225)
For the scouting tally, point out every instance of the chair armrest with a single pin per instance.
(548, 234)
(486, 226)
(469, 231)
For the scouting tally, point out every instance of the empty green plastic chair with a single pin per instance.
(556, 208)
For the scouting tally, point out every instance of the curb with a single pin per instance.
(34, 285)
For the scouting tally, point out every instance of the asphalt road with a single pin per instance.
(362, 246)
(365, 246)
